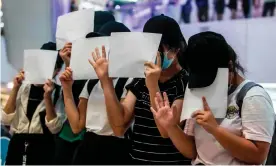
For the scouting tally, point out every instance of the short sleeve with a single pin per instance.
(84, 93)
(181, 86)
(135, 86)
(258, 118)
(189, 127)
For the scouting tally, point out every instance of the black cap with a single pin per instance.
(52, 46)
(206, 52)
(108, 28)
(49, 46)
(168, 27)
(101, 18)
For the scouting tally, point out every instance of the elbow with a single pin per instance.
(76, 130)
(118, 131)
(258, 160)
(190, 155)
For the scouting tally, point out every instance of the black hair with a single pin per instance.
(52, 46)
(236, 64)
(59, 62)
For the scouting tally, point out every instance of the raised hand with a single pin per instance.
(206, 118)
(165, 115)
(152, 73)
(17, 81)
(65, 53)
(48, 88)
(66, 78)
(100, 63)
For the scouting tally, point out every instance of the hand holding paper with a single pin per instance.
(65, 53)
(130, 51)
(81, 52)
(152, 73)
(66, 78)
(17, 81)
(205, 117)
(39, 65)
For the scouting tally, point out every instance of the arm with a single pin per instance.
(184, 143)
(257, 123)
(75, 115)
(251, 152)
(9, 109)
(119, 113)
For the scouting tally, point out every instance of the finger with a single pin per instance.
(199, 121)
(153, 111)
(149, 65)
(103, 52)
(166, 99)
(94, 56)
(92, 63)
(196, 113)
(160, 99)
(201, 117)
(68, 46)
(158, 59)
(98, 53)
(205, 104)
(157, 103)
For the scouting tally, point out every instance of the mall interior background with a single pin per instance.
(27, 24)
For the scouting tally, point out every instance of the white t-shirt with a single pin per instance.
(257, 124)
(96, 116)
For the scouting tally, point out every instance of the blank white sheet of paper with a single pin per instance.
(73, 26)
(82, 51)
(39, 65)
(129, 51)
(216, 96)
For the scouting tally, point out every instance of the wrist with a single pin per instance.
(154, 88)
(47, 95)
(216, 131)
(171, 129)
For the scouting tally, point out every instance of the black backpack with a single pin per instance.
(271, 158)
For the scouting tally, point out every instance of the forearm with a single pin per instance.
(71, 109)
(50, 109)
(152, 93)
(238, 147)
(184, 143)
(115, 110)
(11, 103)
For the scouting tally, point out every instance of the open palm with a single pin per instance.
(165, 115)
(100, 63)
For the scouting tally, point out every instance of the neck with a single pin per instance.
(238, 80)
(170, 72)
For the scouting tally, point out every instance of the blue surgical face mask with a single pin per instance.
(166, 62)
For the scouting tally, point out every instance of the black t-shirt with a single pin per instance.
(35, 98)
(148, 147)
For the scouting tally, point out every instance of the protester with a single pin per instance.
(244, 135)
(99, 145)
(148, 146)
(32, 117)
(67, 141)
(247, 8)
(186, 11)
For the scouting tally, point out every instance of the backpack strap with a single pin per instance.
(119, 88)
(242, 93)
(91, 84)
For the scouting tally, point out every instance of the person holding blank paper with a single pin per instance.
(99, 145)
(167, 75)
(33, 113)
(244, 135)
(67, 141)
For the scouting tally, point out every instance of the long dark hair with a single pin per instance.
(236, 64)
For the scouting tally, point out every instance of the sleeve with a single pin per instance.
(6, 119)
(84, 93)
(55, 125)
(135, 86)
(258, 119)
(125, 90)
(181, 87)
(189, 127)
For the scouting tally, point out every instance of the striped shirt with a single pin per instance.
(148, 147)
